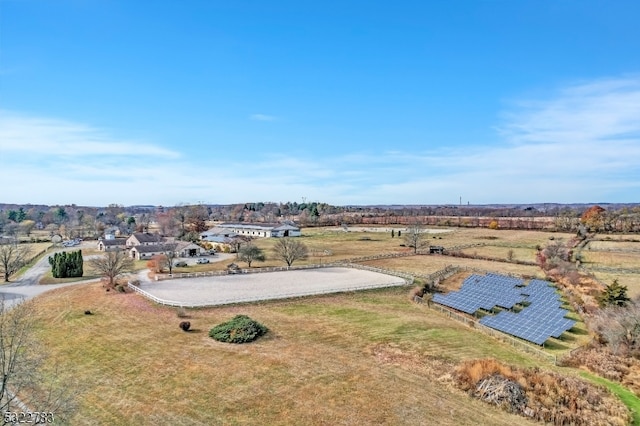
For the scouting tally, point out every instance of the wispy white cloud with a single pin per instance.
(604, 110)
(580, 144)
(48, 136)
(262, 117)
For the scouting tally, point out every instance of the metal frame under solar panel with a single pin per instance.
(541, 319)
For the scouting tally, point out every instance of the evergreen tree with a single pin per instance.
(66, 264)
(614, 295)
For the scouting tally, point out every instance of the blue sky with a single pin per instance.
(345, 102)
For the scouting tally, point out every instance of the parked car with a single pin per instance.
(181, 264)
(202, 260)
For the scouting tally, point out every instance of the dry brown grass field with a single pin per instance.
(370, 357)
(632, 281)
(618, 251)
(611, 259)
(360, 358)
(621, 243)
(525, 254)
(37, 247)
(334, 244)
(512, 238)
(427, 264)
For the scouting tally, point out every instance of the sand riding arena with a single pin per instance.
(252, 287)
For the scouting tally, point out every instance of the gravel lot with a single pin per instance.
(211, 291)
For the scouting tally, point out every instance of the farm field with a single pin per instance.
(362, 358)
(510, 238)
(619, 243)
(632, 281)
(524, 254)
(370, 357)
(330, 244)
(618, 257)
(611, 259)
(427, 264)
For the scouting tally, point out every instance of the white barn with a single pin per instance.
(262, 230)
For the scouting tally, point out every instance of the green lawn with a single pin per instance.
(629, 398)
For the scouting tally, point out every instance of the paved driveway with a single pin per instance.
(26, 286)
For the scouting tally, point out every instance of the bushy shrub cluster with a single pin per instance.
(241, 329)
(66, 264)
(541, 395)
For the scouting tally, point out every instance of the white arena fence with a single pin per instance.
(162, 277)
(261, 298)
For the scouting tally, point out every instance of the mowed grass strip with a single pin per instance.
(611, 259)
(501, 252)
(428, 264)
(321, 362)
(616, 242)
(626, 396)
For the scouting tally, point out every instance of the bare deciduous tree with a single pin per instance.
(289, 250)
(619, 327)
(112, 264)
(170, 254)
(21, 361)
(12, 257)
(415, 237)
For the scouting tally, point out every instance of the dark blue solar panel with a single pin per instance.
(541, 318)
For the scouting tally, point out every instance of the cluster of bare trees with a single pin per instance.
(23, 384)
(619, 328)
(287, 250)
(13, 256)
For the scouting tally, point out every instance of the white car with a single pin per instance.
(202, 260)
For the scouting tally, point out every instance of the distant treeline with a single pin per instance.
(187, 221)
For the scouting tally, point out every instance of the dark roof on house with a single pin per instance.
(145, 237)
(114, 242)
(149, 249)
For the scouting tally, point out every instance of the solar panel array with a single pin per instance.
(541, 318)
(483, 292)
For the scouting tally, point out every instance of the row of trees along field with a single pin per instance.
(187, 221)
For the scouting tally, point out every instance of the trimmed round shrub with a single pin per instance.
(241, 329)
(185, 325)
